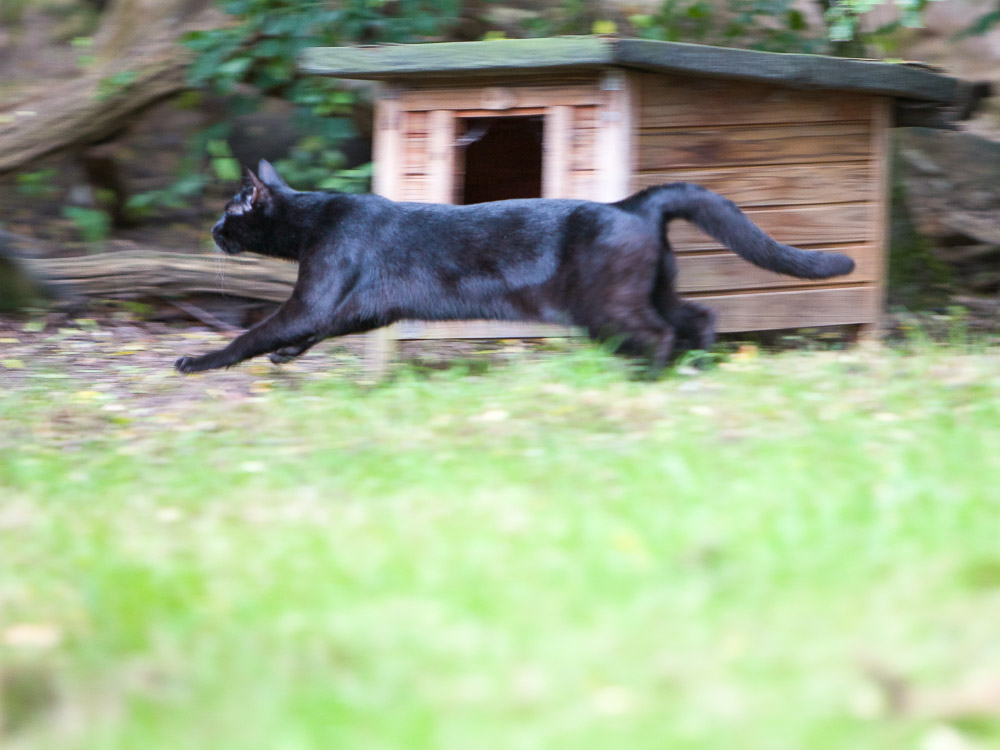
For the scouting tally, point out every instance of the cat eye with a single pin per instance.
(237, 208)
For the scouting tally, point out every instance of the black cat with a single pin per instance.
(366, 261)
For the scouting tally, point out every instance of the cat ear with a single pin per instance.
(270, 175)
(261, 192)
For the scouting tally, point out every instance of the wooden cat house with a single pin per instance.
(800, 142)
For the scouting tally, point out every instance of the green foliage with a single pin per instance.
(223, 163)
(752, 25)
(93, 224)
(38, 184)
(741, 23)
(113, 85)
(843, 20)
(256, 56)
(676, 20)
(312, 162)
(775, 25)
(85, 44)
(189, 185)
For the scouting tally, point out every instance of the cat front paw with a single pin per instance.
(187, 365)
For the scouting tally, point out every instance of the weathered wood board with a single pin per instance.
(780, 184)
(807, 166)
(812, 143)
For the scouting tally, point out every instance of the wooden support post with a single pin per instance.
(883, 109)
(614, 155)
(441, 169)
(556, 139)
(387, 154)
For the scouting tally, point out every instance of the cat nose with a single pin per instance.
(218, 226)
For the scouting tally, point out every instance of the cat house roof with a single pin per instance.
(508, 56)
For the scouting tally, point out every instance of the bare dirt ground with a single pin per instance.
(124, 365)
(129, 363)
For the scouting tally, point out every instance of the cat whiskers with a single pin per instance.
(220, 271)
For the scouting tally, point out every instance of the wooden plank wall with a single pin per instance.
(570, 107)
(807, 167)
(428, 117)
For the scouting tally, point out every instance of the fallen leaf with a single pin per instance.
(31, 635)
(491, 415)
(944, 737)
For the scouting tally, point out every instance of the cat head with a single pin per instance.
(248, 219)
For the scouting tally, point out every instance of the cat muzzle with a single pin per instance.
(221, 242)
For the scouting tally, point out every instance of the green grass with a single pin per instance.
(547, 555)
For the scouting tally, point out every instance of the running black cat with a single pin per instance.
(366, 261)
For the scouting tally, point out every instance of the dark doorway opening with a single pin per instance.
(503, 158)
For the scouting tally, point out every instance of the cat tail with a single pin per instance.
(719, 217)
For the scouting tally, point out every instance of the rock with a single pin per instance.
(948, 180)
(946, 222)
(18, 288)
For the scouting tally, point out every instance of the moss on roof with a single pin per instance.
(568, 53)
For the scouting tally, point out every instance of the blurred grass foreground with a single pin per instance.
(791, 551)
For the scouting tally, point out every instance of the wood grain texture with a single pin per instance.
(725, 271)
(416, 155)
(794, 309)
(415, 124)
(413, 188)
(582, 184)
(584, 152)
(802, 226)
(518, 112)
(133, 274)
(674, 101)
(814, 143)
(499, 98)
(585, 117)
(777, 185)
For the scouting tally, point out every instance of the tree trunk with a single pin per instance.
(146, 273)
(138, 64)
(134, 273)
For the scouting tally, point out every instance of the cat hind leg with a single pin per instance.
(637, 331)
(288, 353)
(695, 326)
